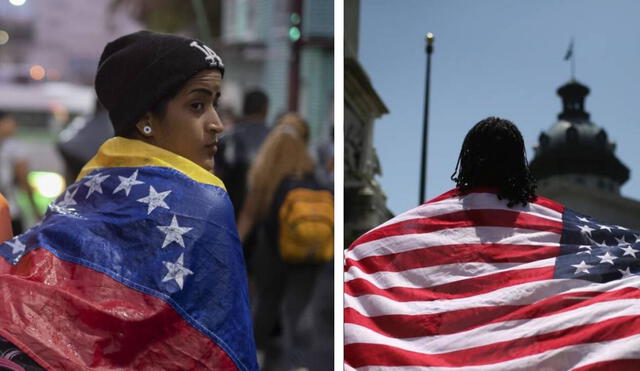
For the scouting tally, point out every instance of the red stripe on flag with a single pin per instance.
(450, 194)
(409, 326)
(617, 365)
(462, 219)
(549, 204)
(66, 316)
(430, 256)
(359, 354)
(453, 290)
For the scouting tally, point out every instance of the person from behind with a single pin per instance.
(237, 150)
(239, 146)
(491, 276)
(295, 212)
(80, 140)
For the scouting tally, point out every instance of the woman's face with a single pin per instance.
(190, 125)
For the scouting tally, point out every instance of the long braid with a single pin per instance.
(493, 155)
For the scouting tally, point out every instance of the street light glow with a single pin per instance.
(46, 183)
(37, 72)
(429, 38)
(17, 2)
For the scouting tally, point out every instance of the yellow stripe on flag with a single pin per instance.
(123, 152)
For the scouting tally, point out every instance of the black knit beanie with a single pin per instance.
(137, 70)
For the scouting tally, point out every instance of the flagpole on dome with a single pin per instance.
(569, 56)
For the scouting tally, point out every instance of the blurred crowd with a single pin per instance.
(270, 173)
(292, 299)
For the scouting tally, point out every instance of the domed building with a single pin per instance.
(575, 164)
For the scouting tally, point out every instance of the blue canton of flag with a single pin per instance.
(595, 251)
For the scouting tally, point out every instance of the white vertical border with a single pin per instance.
(338, 76)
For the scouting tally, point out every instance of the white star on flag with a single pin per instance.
(599, 244)
(68, 198)
(126, 183)
(585, 220)
(155, 199)
(602, 226)
(625, 273)
(16, 245)
(177, 271)
(621, 241)
(174, 232)
(622, 228)
(587, 249)
(586, 229)
(582, 267)
(606, 258)
(94, 184)
(629, 251)
(637, 236)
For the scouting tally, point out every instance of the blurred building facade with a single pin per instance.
(284, 47)
(364, 201)
(575, 164)
(65, 37)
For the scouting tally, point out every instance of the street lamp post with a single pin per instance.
(425, 129)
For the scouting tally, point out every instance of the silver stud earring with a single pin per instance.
(147, 129)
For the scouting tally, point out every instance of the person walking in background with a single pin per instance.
(296, 214)
(239, 146)
(14, 168)
(490, 276)
(237, 149)
(80, 140)
(138, 264)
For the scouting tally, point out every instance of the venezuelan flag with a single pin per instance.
(137, 265)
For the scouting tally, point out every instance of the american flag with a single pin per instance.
(464, 282)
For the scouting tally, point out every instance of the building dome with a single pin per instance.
(574, 146)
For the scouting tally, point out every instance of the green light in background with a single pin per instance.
(295, 18)
(294, 33)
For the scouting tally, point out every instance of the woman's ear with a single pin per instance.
(144, 127)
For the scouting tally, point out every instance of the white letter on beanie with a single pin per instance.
(209, 54)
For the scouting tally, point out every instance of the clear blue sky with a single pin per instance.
(495, 58)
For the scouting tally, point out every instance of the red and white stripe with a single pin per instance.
(464, 282)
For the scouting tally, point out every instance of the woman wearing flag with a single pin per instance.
(490, 276)
(138, 265)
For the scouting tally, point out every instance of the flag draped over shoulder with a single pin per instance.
(465, 283)
(137, 265)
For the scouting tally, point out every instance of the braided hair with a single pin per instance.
(493, 155)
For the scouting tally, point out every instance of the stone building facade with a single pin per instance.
(364, 201)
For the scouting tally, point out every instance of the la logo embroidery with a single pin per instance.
(209, 54)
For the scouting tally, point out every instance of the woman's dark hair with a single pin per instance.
(493, 155)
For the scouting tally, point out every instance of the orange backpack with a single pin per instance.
(306, 226)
